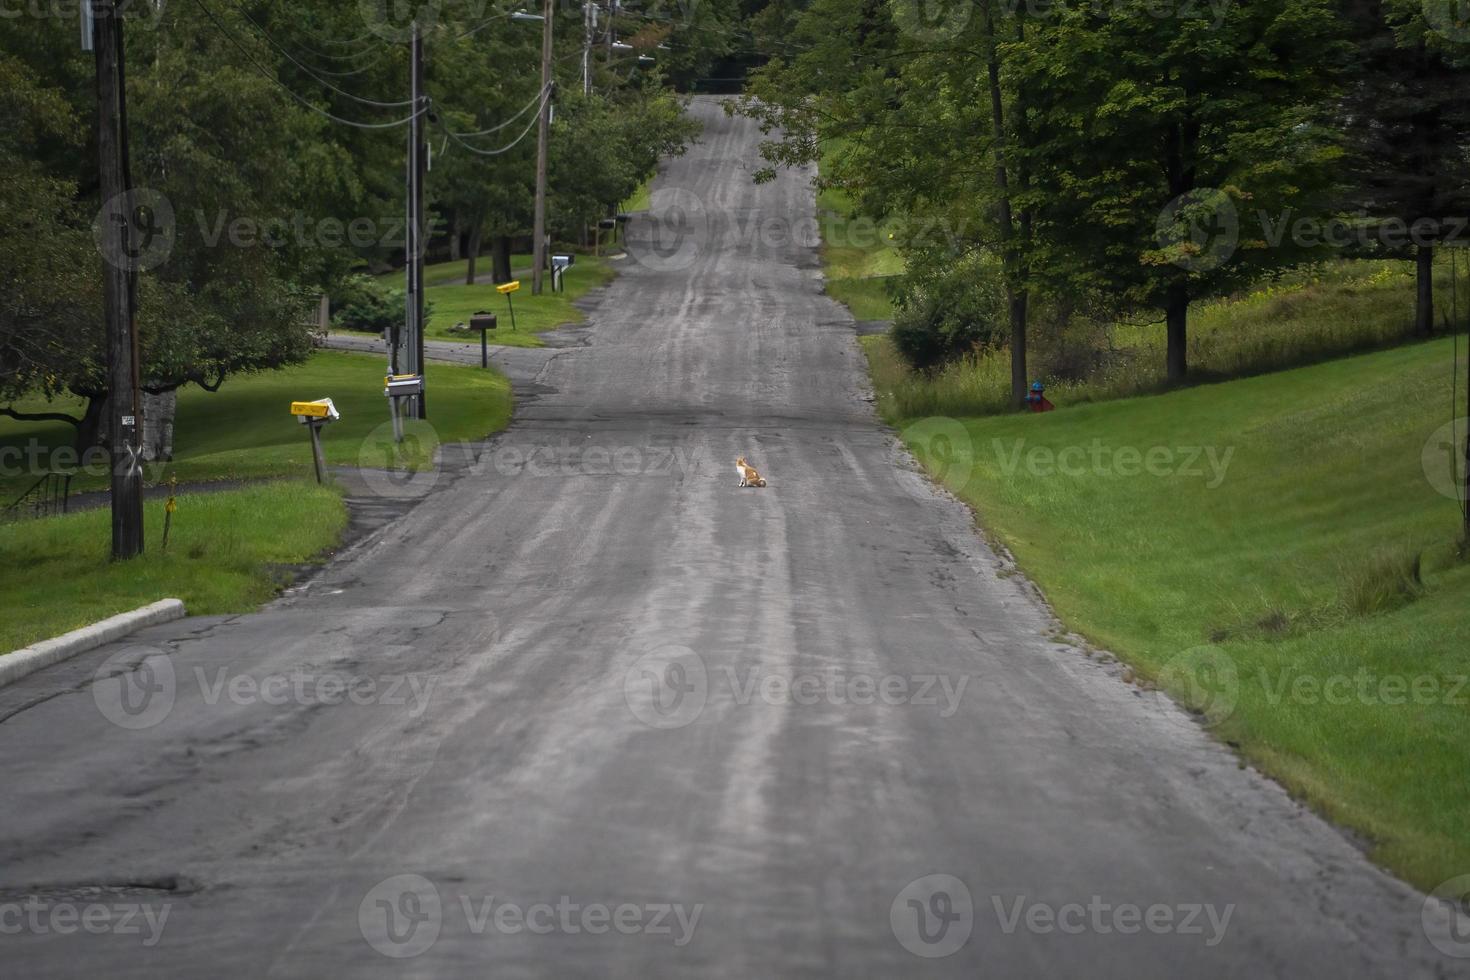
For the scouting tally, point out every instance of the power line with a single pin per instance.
(270, 76)
(535, 100)
(546, 94)
(281, 48)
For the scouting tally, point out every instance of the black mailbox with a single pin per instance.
(606, 223)
(480, 320)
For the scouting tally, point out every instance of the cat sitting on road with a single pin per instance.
(748, 475)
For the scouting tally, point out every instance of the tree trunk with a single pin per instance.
(472, 252)
(1018, 345)
(92, 431)
(158, 426)
(500, 258)
(1176, 312)
(1424, 300)
(1015, 291)
(454, 240)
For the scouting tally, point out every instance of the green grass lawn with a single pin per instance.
(454, 302)
(1258, 592)
(227, 552)
(245, 430)
(858, 258)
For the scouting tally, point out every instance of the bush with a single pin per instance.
(944, 316)
(363, 303)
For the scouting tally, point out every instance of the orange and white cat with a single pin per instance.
(748, 475)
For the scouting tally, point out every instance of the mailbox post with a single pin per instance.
(483, 322)
(505, 289)
(559, 266)
(314, 415)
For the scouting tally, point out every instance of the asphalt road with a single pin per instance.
(611, 715)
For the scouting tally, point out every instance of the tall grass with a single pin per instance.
(1311, 314)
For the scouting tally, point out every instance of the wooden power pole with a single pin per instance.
(538, 247)
(418, 230)
(125, 409)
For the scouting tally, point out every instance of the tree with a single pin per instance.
(1405, 116)
(929, 136)
(1150, 134)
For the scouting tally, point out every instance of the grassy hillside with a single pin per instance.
(1274, 552)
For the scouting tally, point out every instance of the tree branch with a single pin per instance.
(10, 412)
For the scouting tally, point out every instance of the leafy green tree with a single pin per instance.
(1152, 134)
(1405, 116)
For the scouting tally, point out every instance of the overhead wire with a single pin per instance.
(291, 58)
(545, 95)
(270, 76)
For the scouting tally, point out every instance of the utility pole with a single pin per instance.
(538, 231)
(413, 312)
(125, 411)
(589, 27)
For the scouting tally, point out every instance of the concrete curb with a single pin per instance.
(28, 660)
